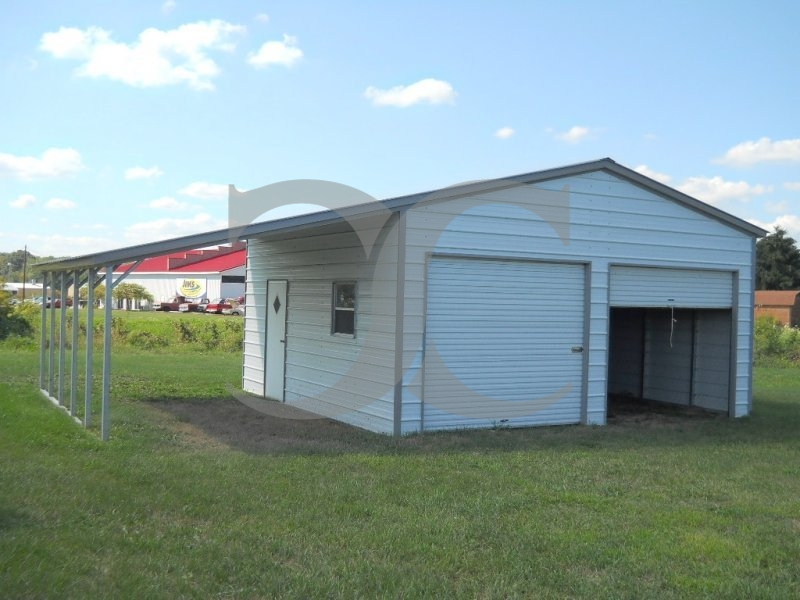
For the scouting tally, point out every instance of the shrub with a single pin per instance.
(185, 332)
(207, 334)
(146, 340)
(776, 343)
(231, 335)
(13, 323)
(119, 328)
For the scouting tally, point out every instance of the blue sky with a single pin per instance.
(123, 122)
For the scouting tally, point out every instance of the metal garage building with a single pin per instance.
(527, 300)
(523, 301)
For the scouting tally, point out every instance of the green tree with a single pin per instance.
(131, 292)
(777, 262)
(10, 323)
(99, 292)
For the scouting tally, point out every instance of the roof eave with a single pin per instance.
(398, 204)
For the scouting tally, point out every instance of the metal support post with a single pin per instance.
(105, 424)
(87, 411)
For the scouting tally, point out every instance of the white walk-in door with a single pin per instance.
(504, 343)
(276, 340)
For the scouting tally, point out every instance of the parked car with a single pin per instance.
(236, 311)
(47, 301)
(171, 304)
(217, 306)
(192, 306)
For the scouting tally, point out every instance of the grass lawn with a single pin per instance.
(186, 502)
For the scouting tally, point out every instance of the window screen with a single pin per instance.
(344, 308)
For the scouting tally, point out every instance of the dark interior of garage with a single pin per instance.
(669, 357)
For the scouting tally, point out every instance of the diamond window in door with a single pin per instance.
(276, 304)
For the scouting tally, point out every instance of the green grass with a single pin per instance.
(687, 508)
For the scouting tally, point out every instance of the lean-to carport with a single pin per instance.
(91, 270)
(86, 270)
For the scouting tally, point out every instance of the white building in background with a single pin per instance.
(208, 273)
(23, 290)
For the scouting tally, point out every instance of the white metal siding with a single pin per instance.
(657, 287)
(668, 356)
(611, 222)
(711, 384)
(504, 331)
(316, 359)
(255, 328)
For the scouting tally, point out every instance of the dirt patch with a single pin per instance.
(229, 423)
(627, 410)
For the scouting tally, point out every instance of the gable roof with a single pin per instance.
(204, 260)
(776, 297)
(216, 264)
(399, 204)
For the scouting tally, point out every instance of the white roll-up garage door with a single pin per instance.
(660, 287)
(504, 343)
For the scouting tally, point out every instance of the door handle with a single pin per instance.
(577, 349)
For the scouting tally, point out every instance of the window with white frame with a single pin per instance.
(344, 308)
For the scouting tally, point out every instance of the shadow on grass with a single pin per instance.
(11, 519)
(229, 423)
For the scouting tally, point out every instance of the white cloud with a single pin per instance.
(262, 18)
(59, 203)
(166, 228)
(763, 150)
(143, 173)
(432, 91)
(168, 203)
(648, 172)
(793, 186)
(716, 189)
(205, 190)
(23, 201)
(284, 53)
(504, 133)
(54, 162)
(776, 208)
(94, 227)
(58, 245)
(574, 135)
(157, 58)
(168, 6)
(791, 223)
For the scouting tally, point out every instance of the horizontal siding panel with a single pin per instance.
(317, 360)
(612, 222)
(659, 287)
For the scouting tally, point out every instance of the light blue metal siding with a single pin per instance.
(626, 352)
(712, 356)
(687, 288)
(611, 222)
(668, 356)
(317, 361)
(504, 332)
(255, 326)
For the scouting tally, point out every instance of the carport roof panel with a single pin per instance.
(399, 204)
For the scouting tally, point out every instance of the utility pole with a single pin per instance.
(24, 271)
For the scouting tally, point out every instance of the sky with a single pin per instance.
(123, 122)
